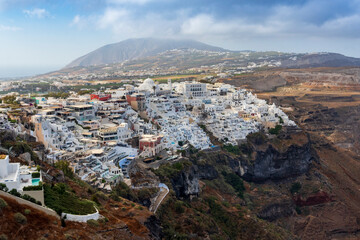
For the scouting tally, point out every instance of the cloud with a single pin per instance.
(9, 28)
(37, 13)
(136, 2)
(112, 17)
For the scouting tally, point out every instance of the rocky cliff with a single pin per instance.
(186, 182)
(275, 165)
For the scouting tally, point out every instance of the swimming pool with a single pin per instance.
(35, 182)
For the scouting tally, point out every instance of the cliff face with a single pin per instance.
(186, 183)
(275, 165)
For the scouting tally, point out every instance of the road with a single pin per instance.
(164, 190)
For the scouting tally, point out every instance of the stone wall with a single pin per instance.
(28, 203)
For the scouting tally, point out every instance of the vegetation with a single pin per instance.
(179, 207)
(60, 198)
(19, 218)
(281, 120)
(257, 138)
(62, 95)
(65, 167)
(236, 182)
(169, 170)
(20, 147)
(295, 187)
(34, 188)
(27, 211)
(9, 100)
(135, 195)
(232, 149)
(3, 237)
(276, 130)
(35, 175)
(83, 92)
(92, 223)
(3, 204)
(3, 187)
(25, 196)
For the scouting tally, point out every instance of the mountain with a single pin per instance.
(320, 60)
(137, 48)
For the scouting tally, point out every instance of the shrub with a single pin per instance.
(27, 211)
(19, 218)
(179, 207)
(15, 192)
(65, 167)
(3, 237)
(34, 188)
(28, 198)
(236, 182)
(92, 223)
(35, 175)
(3, 187)
(232, 149)
(276, 130)
(3, 203)
(281, 120)
(295, 187)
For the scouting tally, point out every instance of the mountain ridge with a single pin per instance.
(136, 48)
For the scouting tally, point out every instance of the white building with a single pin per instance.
(9, 173)
(194, 89)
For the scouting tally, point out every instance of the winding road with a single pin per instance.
(164, 190)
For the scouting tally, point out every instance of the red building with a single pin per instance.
(151, 145)
(149, 141)
(100, 97)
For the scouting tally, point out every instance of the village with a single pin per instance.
(101, 133)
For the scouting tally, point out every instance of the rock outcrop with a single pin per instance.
(288, 155)
(275, 165)
(277, 210)
(186, 183)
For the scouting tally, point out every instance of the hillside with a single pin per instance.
(137, 48)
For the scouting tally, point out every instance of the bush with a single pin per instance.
(34, 188)
(3, 187)
(27, 211)
(3, 237)
(15, 192)
(92, 223)
(276, 130)
(29, 198)
(35, 175)
(295, 187)
(232, 149)
(19, 218)
(3, 204)
(236, 182)
(179, 207)
(65, 167)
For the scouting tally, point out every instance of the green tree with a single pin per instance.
(65, 167)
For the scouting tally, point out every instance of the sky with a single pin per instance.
(37, 36)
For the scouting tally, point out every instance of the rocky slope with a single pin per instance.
(324, 104)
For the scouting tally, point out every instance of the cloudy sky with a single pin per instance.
(37, 36)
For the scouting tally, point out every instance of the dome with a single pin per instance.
(149, 81)
(147, 85)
